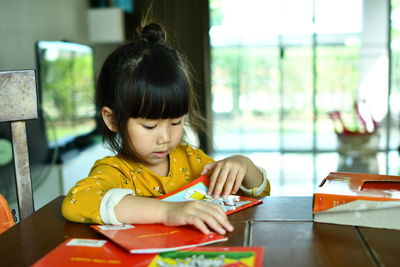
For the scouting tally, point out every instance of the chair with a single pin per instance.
(18, 103)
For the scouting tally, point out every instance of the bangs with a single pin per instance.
(161, 93)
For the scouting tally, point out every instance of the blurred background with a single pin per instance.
(280, 67)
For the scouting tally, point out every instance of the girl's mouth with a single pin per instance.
(161, 154)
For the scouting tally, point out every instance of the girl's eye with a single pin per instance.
(176, 123)
(149, 127)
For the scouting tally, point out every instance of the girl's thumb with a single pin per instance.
(208, 167)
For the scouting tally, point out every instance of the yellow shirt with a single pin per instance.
(82, 203)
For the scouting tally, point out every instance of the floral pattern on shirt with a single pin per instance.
(82, 203)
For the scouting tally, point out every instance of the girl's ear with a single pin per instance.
(108, 118)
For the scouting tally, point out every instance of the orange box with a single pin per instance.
(370, 200)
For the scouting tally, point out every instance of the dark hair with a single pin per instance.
(144, 78)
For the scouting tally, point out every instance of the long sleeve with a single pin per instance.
(82, 203)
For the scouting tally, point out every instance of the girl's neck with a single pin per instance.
(161, 169)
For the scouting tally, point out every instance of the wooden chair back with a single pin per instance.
(18, 103)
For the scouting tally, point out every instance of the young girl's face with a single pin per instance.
(152, 140)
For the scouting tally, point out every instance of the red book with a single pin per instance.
(91, 252)
(155, 238)
(95, 252)
(197, 190)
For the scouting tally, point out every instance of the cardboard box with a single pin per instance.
(370, 200)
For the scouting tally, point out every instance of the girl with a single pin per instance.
(145, 97)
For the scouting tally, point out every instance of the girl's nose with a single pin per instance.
(163, 136)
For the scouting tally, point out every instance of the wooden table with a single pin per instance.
(282, 225)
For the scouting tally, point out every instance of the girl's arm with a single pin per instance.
(204, 216)
(230, 173)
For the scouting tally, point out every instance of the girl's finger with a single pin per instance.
(221, 180)
(199, 224)
(214, 224)
(216, 219)
(208, 167)
(238, 182)
(229, 183)
(219, 184)
(223, 220)
(213, 179)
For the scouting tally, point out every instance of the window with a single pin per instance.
(279, 66)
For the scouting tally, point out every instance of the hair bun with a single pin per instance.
(153, 33)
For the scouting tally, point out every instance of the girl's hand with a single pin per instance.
(227, 175)
(204, 216)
